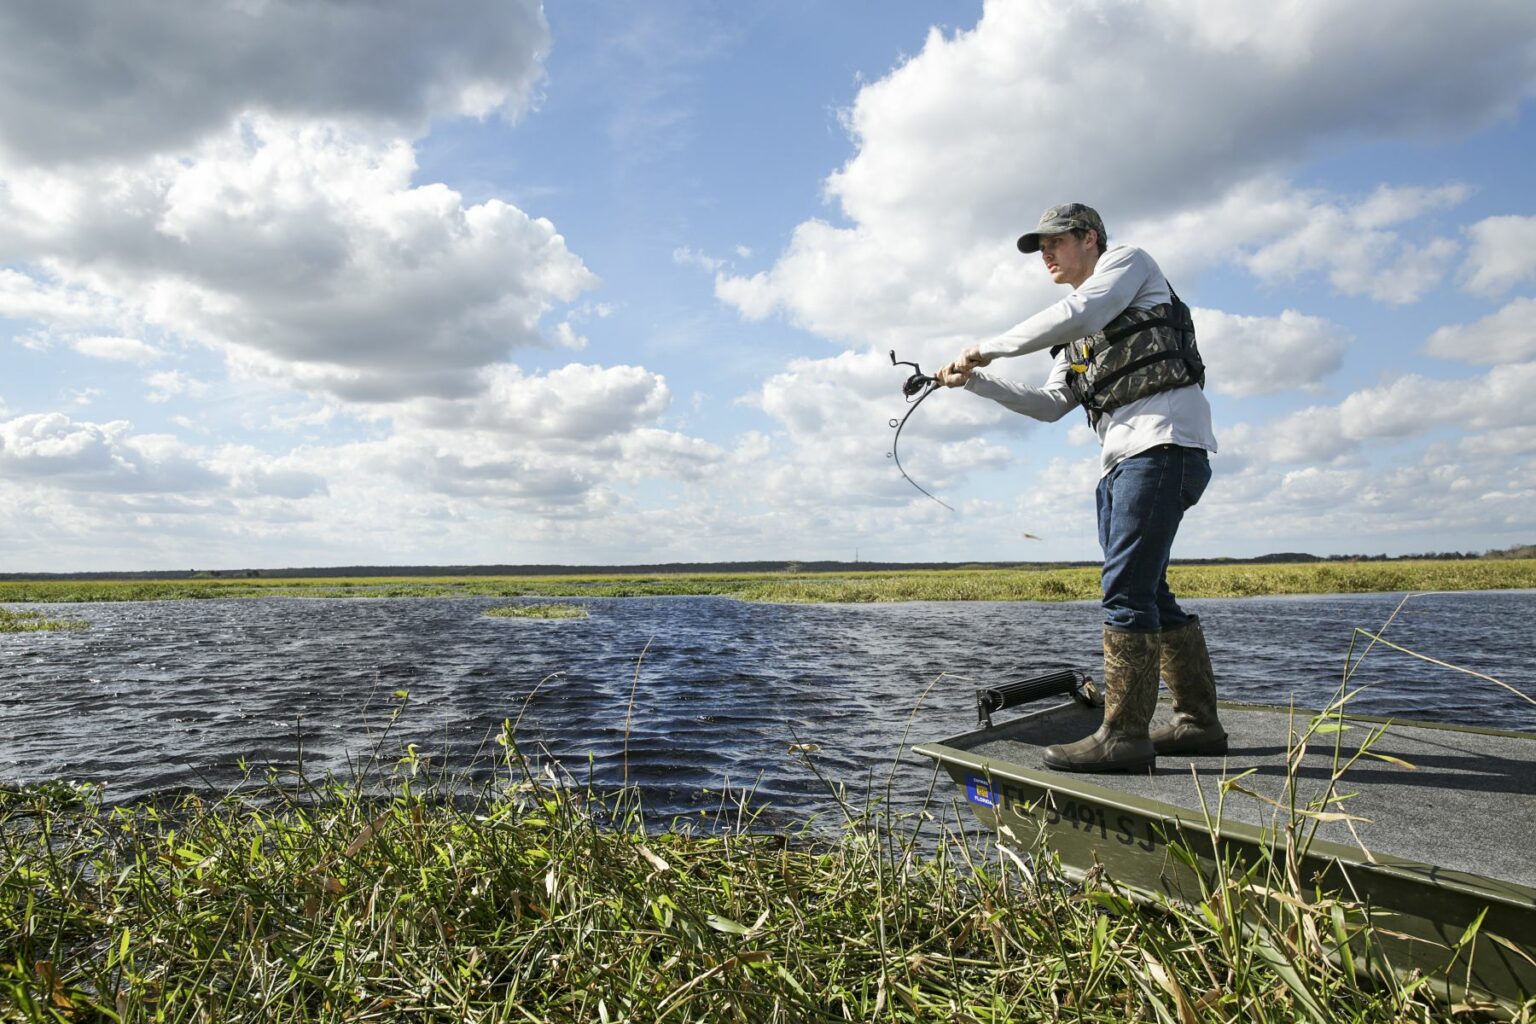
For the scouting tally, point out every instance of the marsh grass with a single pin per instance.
(964, 584)
(1082, 584)
(34, 622)
(412, 897)
(77, 591)
(538, 611)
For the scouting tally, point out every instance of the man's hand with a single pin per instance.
(958, 371)
(952, 375)
(972, 358)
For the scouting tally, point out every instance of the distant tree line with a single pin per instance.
(1441, 556)
(1519, 551)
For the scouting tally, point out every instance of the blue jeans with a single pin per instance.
(1141, 503)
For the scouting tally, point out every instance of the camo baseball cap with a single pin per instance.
(1058, 220)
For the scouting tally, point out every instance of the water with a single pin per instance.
(161, 696)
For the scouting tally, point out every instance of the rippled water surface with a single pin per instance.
(156, 696)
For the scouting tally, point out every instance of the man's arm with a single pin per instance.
(1116, 280)
(1050, 402)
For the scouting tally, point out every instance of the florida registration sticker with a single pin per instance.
(980, 791)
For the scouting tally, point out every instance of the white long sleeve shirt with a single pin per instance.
(1124, 278)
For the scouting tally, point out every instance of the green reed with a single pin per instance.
(1082, 584)
(34, 622)
(411, 894)
(538, 611)
(962, 584)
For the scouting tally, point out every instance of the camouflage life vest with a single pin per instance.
(1138, 353)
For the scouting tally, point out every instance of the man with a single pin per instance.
(1125, 351)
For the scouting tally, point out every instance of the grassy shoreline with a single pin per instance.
(538, 901)
(1067, 584)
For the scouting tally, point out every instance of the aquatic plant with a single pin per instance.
(34, 622)
(538, 611)
(963, 584)
(414, 896)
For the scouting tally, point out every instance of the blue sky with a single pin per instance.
(329, 284)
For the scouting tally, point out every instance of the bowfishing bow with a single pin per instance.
(918, 387)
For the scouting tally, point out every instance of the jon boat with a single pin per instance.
(1445, 835)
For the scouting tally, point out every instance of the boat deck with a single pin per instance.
(1467, 804)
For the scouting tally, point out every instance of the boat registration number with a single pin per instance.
(1058, 812)
(1125, 829)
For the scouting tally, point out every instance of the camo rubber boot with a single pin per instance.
(1121, 743)
(1194, 729)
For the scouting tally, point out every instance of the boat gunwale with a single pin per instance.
(1484, 887)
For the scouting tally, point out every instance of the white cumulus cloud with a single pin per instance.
(575, 403)
(119, 79)
(1501, 254)
(1353, 246)
(1407, 407)
(1250, 355)
(117, 350)
(306, 254)
(165, 385)
(1508, 336)
(53, 449)
(959, 148)
(69, 308)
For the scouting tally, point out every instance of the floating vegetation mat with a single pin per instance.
(34, 622)
(538, 611)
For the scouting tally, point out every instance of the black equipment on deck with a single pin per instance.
(1064, 681)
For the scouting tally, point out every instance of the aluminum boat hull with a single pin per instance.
(1443, 835)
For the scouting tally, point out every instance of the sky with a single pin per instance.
(595, 282)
